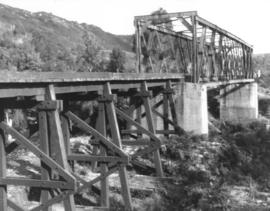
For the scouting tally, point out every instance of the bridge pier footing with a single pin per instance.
(239, 103)
(191, 107)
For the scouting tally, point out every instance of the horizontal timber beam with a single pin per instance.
(35, 183)
(157, 131)
(91, 158)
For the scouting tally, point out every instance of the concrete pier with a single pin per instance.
(191, 107)
(239, 103)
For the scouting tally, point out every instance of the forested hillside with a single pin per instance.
(44, 42)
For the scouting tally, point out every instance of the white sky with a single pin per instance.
(247, 19)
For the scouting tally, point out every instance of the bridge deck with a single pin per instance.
(56, 77)
(34, 84)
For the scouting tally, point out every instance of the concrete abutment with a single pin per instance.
(191, 107)
(239, 102)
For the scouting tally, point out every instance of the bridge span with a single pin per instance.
(180, 56)
(208, 56)
(125, 98)
(132, 110)
(186, 43)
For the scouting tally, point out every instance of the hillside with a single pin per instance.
(45, 42)
(58, 29)
(262, 62)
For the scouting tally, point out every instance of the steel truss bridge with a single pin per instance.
(171, 49)
(186, 43)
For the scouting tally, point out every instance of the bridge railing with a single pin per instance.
(186, 43)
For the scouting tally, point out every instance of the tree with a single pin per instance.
(89, 60)
(54, 55)
(155, 46)
(164, 21)
(117, 60)
(17, 53)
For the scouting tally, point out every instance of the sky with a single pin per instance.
(247, 19)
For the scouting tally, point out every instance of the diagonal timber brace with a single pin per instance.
(155, 143)
(119, 158)
(88, 129)
(43, 157)
(123, 115)
(168, 106)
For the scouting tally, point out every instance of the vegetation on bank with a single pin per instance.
(226, 171)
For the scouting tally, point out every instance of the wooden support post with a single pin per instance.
(101, 127)
(138, 113)
(66, 130)
(139, 118)
(3, 167)
(177, 129)
(95, 152)
(57, 145)
(66, 134)
(149, 117)
(166, 113)
(110, 108)
(44, 146)
(132, 103)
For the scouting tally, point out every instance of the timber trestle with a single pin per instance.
(127, 115)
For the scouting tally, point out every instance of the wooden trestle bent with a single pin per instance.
(50, 97)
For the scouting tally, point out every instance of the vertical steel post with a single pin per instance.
(195, 73)
(138, 46)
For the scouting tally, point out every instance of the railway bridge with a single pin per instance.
(180, 56)
(208, 56)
